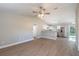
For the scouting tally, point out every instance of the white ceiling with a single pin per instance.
(19, 8)
(64, 14)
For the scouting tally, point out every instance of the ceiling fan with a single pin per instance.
(41, 12)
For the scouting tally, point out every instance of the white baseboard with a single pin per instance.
(16, 43)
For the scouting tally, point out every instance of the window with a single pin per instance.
(72, 31)
(72, 34)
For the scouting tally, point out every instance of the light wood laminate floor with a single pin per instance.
(42, 47)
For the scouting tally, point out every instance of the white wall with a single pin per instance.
(15, 27)
(77, 26)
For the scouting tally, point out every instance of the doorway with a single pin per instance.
(72, 33)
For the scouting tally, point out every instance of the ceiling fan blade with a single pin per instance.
(47, 13)
(41, 7)
(44, 9)
(34, 12)
(55, 8)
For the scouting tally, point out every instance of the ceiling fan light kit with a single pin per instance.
(41, 12)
